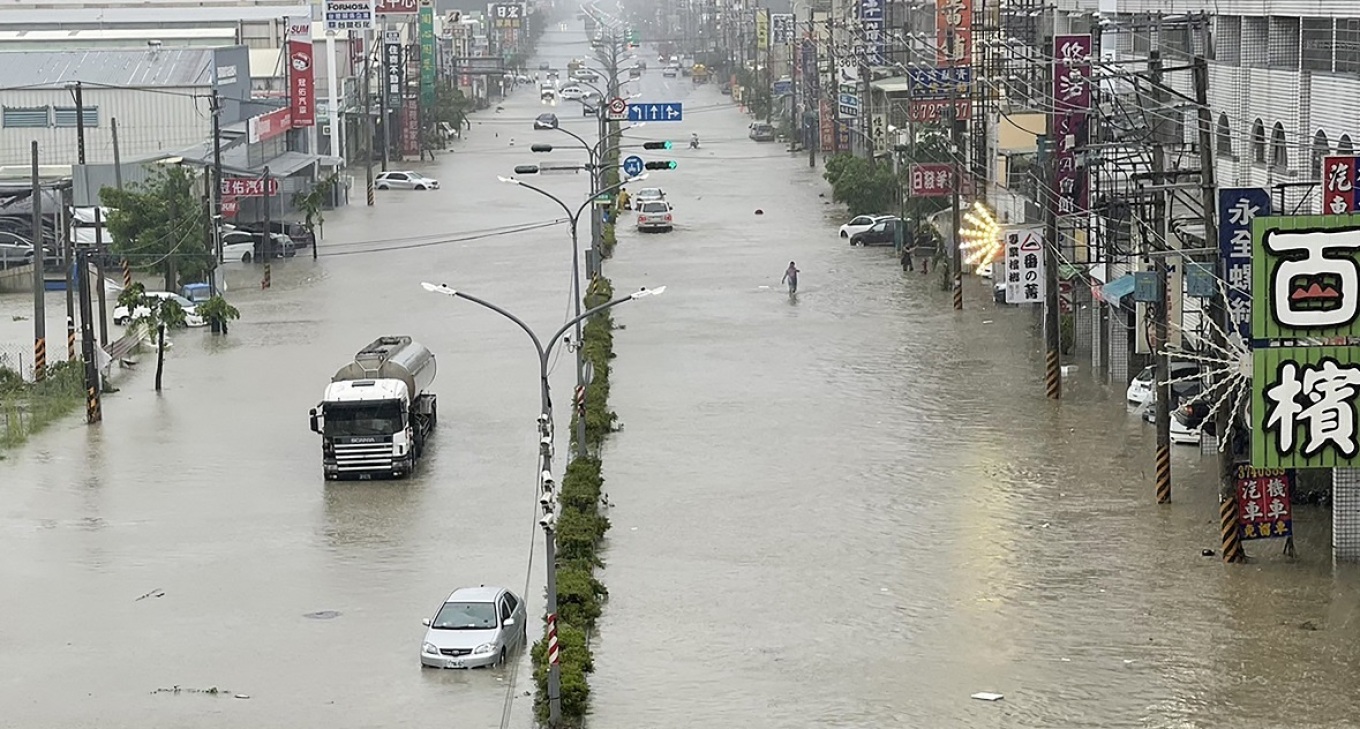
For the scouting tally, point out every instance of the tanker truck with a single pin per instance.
(377, 413)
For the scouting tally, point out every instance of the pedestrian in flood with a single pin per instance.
(791, 278)
(908, 247)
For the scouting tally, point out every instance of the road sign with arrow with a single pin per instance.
(632, 166)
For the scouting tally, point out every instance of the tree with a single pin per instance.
(450, 106)
(863, 186)
(161, 224)
(152, 312)
(313, 205)
(217, 312)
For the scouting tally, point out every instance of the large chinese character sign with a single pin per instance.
(1304, 407)
(1263, 502)
(1071, 113)
(1237, 208)
(1306, 277)
(1024, 265)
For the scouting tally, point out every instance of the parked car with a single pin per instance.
(646, 195)
(1181, 394)
(405, 180)
(762, 132)
(191, 317)
(585, 74)
(474, 627)
(671, 71)
(246, 246)
(548, 95)
(571, 93)
(295, 231)
(881, 233)
(545, 121)
(635, 72)
(860, 223)
(655, 215)
(1142, 390)
(14, 252)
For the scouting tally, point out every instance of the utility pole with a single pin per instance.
(769, 65)
(99, 269)
(811, 101)
(955, 152)
(68, 262)
(1159, 179)
(80, 124)
(117, 155)
(368, 114)
(93, 412)
(39, 312)
(215, 211)
(1052, 317)
(385, 96)
(835, 91)
(268, 231)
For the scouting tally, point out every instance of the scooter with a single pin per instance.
(694, 142)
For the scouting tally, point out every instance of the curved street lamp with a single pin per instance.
(547, 487)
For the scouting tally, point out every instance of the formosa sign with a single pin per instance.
(301, 76)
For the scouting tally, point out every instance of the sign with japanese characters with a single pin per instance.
(1237, 207)
(1024, 264)
(235, 187)
(932, 179)
(762, 29)
(301, 76)
(395, 68)
(1305, 277)
(1338, 185)
(1071, 113)
(427, 53)
(1304, 407)
(1263, 502)
(871, 31)
(507, 15)
(954, 32)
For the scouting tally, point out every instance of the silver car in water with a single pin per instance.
(475, 627)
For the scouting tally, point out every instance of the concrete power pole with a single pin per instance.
(367, 132)
(1159, 214)
(39, 312)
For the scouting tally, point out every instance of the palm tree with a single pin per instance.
(152, 312)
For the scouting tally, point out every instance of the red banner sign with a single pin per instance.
(235, 187)
(934, 110)
(410, 127)
(1263, 503)
(267, 126)
(1071, 111)
(301, 77)
(1338, 185)
(954, 32)
(826, 131)
(397, 7)
(230, 207)
(932, 180)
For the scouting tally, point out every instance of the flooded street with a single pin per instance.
(850, 509)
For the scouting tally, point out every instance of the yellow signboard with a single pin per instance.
(762, 29)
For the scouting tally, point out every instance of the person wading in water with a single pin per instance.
(791, 278)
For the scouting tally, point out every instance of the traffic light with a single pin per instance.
(526, 169)
(668, 164)
(541, 148)
(656, 145)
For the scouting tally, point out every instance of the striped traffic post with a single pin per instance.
(40, 359)
(70, 339)
(127, 273)
(554, 653)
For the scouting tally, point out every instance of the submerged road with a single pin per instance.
(852, 508)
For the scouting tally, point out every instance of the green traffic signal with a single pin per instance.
(661, 165)
(656, 145)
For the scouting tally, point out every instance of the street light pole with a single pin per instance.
(547, 486)
(574, 218)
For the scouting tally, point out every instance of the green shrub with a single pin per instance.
(576, 661)
(26, 408)
(579, 596)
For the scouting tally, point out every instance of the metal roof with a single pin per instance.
(168, 13)
(165, 67)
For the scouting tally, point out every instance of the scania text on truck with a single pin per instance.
(377, 413)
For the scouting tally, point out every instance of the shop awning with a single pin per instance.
(892, 85)
(1117, 289)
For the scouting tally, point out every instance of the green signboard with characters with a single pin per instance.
(1305, 277)
(1303, 409)
(427, 54)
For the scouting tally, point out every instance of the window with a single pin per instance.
(1317, 44)
(1279, 149)
(505, 610)
(1282, 50)
(1258, 142)
(1348, 45)
(1228, 40)
(1344, 147)
(66, 116)
(1254, 42)
(1224, 137)
(17, 117)
(1321, 148)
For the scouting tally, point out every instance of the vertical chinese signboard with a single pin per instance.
(1338, 185)
(396, 69)
(1237, 207)
(301, 79)
(953, 32)
(1071, 112)
(871, 31)
(781, 25)
(762, 29)
(410, 128)
(1263, 503)
(1024, 257)
(427, 54)
(1305, 288)
(827, 129)
(507, 16)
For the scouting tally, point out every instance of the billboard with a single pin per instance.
(1303, 407)
(301, 78)
(348, 14)
(395, 67)
(1071, 113)
(397, 7)
(1305, 272)
(953, 32)
(1237, 207)
(935, 179)
(871, 31)
(762, 29)
(1025, 264)
(427, 53)
(507, 16)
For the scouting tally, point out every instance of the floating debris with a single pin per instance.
(158, 592)
(987, 696)
(177, 689)
(322, 615)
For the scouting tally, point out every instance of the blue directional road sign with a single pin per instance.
(632, 166)
(668, 111)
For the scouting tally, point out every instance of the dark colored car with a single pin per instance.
(883, 233)
(296, 232)
(762, 132)
(546, 121)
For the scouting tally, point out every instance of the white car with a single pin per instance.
(239, 245)
(655, 215)
(1181, 435)
(1143, 391)
(405, 180)
(571, 93)
(191, 317)
(646, 195)
(861, 223)
(585, 74)
(475, 627)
